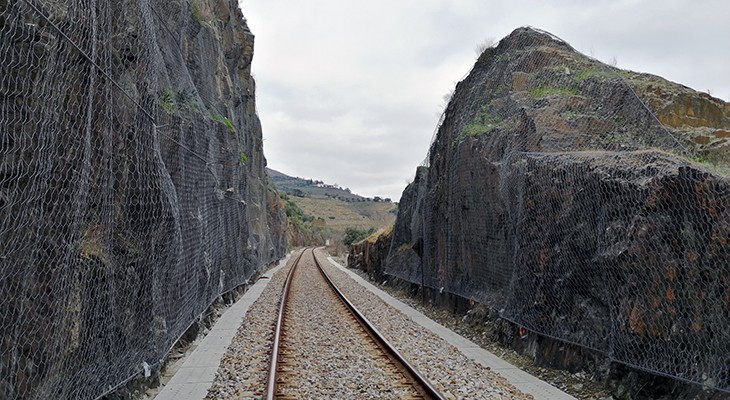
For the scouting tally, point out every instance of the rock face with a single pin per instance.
(369, 255)
(406, 247)
(132, 185)
(560, 192)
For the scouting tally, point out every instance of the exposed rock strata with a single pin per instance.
(132, 185)
(555, 195)
(369, 255)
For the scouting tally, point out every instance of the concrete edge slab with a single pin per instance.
(522, 380)
(196, 375)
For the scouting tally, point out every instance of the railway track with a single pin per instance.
(306, 362)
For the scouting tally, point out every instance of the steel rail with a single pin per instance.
(273, 370)
(419, 379)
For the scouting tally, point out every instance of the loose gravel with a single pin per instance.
(244, 368)
(328, 354)
(473, 326)
(444, 365)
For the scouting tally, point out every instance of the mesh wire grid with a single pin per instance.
(131, 185)
(585, 203)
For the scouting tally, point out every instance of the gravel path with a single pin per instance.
(243, 371)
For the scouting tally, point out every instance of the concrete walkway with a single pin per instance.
(517, 377)
(195, 376)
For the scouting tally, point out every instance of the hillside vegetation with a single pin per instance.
(319, 212)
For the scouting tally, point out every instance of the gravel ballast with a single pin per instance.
(328, 355)
(244, 368)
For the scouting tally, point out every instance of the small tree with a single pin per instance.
(484, 45)
(353, 235)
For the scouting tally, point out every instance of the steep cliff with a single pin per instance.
(132, 185)
(583, 202)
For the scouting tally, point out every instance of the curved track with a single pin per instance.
(285, 376)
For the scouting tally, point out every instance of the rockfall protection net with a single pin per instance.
(125, 184)
(585, 203)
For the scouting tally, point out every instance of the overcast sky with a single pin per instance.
(350, 92)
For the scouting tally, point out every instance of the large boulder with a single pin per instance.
(583, 202)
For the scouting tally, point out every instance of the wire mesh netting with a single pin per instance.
(131, 185)
(586, 203)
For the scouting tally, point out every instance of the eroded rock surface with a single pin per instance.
(132, 185)
(566, 194)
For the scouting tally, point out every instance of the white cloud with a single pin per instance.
(349, 92)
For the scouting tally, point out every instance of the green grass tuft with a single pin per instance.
(223, 120)
(229, 125)
(166, 100)
(197, 13)
(172, 100)
(483, 123)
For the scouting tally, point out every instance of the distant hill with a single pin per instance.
(318, 211)
(301, 187)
